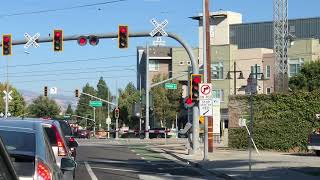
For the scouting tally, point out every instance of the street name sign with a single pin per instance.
(95, 103)
(170, 86)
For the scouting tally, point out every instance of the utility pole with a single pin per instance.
(94, 119)
(147, 93)
(108, 118)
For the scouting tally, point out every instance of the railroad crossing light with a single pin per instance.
(58, 40)
(76, 93)
(195, 81)
(123, 37)
(82, 40)
(6, 45)
(45, 91)
(93, 40)
(117, 113)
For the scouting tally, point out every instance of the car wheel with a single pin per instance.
(318, 152)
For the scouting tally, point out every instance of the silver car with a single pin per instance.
(30, 150)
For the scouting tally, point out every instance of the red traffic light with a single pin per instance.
(123, 29)
(57, 34)
(93, 40)
(197, 79)
(58, 40)
(82, 40)
(6, 39)
(189, 101)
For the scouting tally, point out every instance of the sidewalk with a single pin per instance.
(233, 164)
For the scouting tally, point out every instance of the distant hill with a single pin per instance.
(61, 100)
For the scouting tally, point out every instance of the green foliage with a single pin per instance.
(308, 78)
(17, 106)
(127, 98)
(44, 107)
(166, 101)
(281, 121)
(102, 112)
(69, 110)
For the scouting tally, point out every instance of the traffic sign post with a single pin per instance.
(95, 103)
(170, 86)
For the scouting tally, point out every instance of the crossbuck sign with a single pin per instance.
(31, 40)
(159, 28)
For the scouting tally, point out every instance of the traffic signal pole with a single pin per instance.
(186, 46)
(147, 124)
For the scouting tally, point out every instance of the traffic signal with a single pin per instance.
(6, 45)
(123, 37)
(117, 113)
(83, 40)
(93, 40)
(76, 93)
(195, 83)
(188, 103)
(45, 91)
(58, 40)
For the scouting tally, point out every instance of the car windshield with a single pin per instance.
(66, 129)
(22, 149)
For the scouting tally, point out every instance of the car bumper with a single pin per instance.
(314, 147)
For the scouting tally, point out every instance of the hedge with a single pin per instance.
(282, 122)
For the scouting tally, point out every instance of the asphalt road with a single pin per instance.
(109, 159)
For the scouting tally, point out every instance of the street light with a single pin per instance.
(234, 77)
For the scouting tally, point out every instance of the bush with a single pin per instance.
(282, 122)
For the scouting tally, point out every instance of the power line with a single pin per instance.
(61, 9)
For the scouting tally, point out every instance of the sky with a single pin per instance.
(76, 66)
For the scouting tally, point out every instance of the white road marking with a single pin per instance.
(142, 157)
(92, 175)
(133, 150)
(113, 169)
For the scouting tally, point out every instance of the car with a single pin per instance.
(314, 142)
(59, 145)
(69, 137)
(30, 150)
(84, 134)
(6, 167)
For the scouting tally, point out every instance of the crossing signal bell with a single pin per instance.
(76, 92)
(196, 79)
(45, 91)
(123, 37)
(117, 113)
(6, 45)
(58, 40)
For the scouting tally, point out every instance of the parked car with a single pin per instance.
(30, 150)
(69, 137)
(84, 134)
(314, 142)
(6, 167)
(59, 145)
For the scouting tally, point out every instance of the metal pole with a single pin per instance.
(250, 135)
(234, 78)
(205, 73)
(108, 114)
(140, 119)
(94, 120)
(108, 131)
(117, 128)
(147, 93)
(177, 130)
(7, 89)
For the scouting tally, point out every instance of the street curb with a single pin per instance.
(198, 165)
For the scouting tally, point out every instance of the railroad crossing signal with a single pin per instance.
(117, 113)
(31, 40)
(6, 45)
(83, 40)
(58, 40)
(159, 28)
(123, 37)
(45, 91)
(7, 95)
(195, 81)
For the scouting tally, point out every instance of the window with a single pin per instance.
(218, 93)
(268, 90)
(189, 63)
(154, 65)
(295, 66)
(253, 71)
(268, 72)
(217, 70)
(181, 63)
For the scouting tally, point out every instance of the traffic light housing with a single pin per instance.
(6, 45)
(45, 91)
(117, 113)
(76, 93)
(58, 40)
(195, 81)
(123, 37)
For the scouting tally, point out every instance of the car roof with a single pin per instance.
(19, 123)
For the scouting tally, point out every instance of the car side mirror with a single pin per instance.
(68, 164)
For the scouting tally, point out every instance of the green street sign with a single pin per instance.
(170, 86)
(95, 103)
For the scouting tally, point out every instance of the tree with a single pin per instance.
(308, 78)
(166, 102)
(44, 107)
(83, 108)
(127, 98)
(17, 106)
(103, 92)
(69, 110)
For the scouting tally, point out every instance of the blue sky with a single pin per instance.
(26, 73)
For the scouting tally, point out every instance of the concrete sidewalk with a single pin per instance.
(233, 164)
